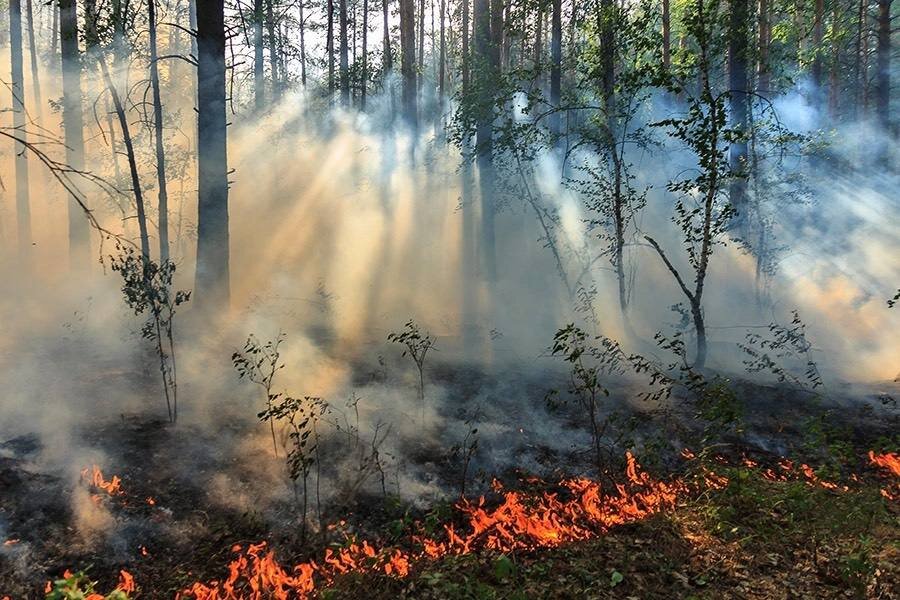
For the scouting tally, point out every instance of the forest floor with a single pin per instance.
(750, 538)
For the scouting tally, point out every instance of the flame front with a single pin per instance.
(520, 522)
(94, 477)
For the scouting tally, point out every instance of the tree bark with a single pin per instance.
(345, 65)
(364, 75)
(465, 48)
(556, 67)
(274, 54)
(73, 124)
(23, 203)
(738, 100)
(37, 102)
(818, 36)
(132, 161)
(484, 80)
(408, 61)
(667, 34)
(302, 45)
(442, 63)
(421, 31)
(329, 45)
(212, 277)
(763, 73)
(388, 61)
(259, 74)
(163, 198)
(883, 64)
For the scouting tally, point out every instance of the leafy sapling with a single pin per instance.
(259, 362)
(147, 287)
(417, 346)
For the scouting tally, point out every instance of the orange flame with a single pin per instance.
(580, 511)
(890, 461)
(95, 479)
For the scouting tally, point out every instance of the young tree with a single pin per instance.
(345, 65)
(259, 76)
(212, 277)
(35, 75)
(738, 83)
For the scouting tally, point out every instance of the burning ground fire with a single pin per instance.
(579, 510)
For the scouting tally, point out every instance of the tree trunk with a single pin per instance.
(364, 75)
(421, 30)
(329, 46)
(883, 65)
(556, 67)
(764, 34)
(302, 45)
(738, 100)
(667, 34)
(132, 161)
(442, 63)
(163, 205)
(259, 74)
(345, 65)
(408, 61)
(212, 277)
(35, 75)
(834, 70)
(73, 124)
(484, 74)
(23, 203)
(54, 25)
(273, 49)
(818, 35)
(388, 63)
(465, 47)
(859, 58)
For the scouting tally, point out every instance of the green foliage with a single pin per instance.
(147, 288)
(78, 586)
(417, 345)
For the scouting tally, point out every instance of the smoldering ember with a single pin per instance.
(449, 299)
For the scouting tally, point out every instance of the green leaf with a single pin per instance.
(616, 578)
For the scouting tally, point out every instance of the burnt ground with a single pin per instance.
(183, 535)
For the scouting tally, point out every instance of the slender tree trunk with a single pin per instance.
(35, 75)
(538, 38)
(883, 65)
(274, 55)
(667, 34)
(329, 45)
(764, 34)
(212, 278)
(345, 65)
(408, 61)
(738, 87)
(364, 75)
(834, 70)
(302, 45)
(556, 67)
(465, 47)
(54, 26)
(388, 63)
(484, 73)
(163, 205)
(73, 124)
(132, 161)
(23, 202)
(818, 36)
(259, 72)
(421, 31)
(442, 67)
(858, 76)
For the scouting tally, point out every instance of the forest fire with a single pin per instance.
(94, 478)
(521, 522)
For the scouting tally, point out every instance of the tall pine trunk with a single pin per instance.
(408, 61)
(259, 75)
(329, 44)
(23, 203)
(388, 61)
(37, 102)
(212, 277)
(667, 34)
(163, 194)
(484, 80)
(73, 124)
(763, 74)
(556, 67)
(274, 54)
(883, 64)
(738, 83)
(345, 64)
(364, 74)
(302, 46)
